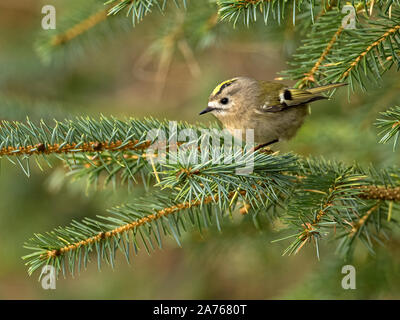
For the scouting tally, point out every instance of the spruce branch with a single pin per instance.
(388, 37)
(389, 125)
(320, 208)
(19, 140)
(56, 148)
(80, 28)
(316, 197)
(233, 10)
(309, 76)
(320, 204)
(138, 9)
(125, 165)
(356, 226)
(80, 135)
(340, 204)
(68, 248)
(316, 51)
(333, 53)
(269, 178)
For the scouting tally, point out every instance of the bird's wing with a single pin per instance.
(269, 98)
(292, 97)
(271, 108)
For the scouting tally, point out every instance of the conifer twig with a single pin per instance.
(309, 76)
(375, 44)
(130, 226)
(356, 226)
(94, 146)
(79, 28)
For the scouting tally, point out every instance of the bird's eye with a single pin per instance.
(224, 100)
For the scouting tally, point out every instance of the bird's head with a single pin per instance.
(230, 95)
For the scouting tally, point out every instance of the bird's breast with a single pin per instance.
(266, 127)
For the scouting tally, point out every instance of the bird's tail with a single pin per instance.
(293, 96)
(327, 87)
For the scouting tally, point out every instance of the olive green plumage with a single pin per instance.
(273, 110)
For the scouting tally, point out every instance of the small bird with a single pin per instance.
(273, 110)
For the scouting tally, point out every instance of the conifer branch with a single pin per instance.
(93, 146)
(67, 248)
(316, 203)
(315, 198)
(309, 76)
(117, 232)
(389, 125)
(138, 9)
(375, 44)
(356, 226)
(79, 28)
(320, 205)
(76, 136)
(359, 55)
(124, 143)
(233, 10)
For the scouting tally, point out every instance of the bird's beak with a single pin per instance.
(208, 109)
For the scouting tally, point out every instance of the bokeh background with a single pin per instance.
(124, 71)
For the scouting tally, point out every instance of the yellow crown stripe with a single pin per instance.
(225, 83)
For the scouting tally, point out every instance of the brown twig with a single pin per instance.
(309, 76)
(356, 226)
(130, 226)
(79, 28)
(95, 146)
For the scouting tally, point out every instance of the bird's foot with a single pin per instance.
(264, 147)
(266, 150)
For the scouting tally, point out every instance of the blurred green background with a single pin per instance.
(119, 73)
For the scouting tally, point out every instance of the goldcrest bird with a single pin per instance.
(273, 110)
